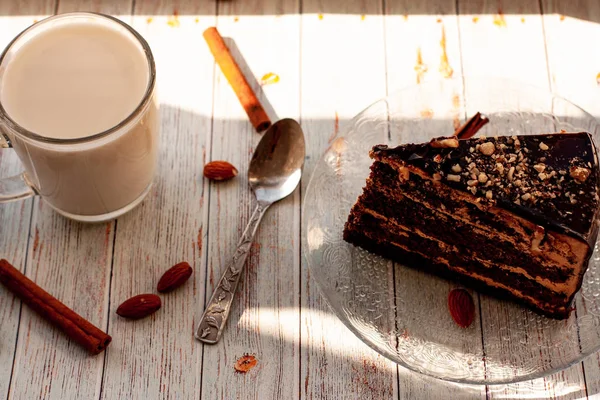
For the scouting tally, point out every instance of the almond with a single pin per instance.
(139, 306)
(174, 277)
(461, 307)
(220, 171)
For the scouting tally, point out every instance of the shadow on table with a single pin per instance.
(585, 10)
(316, 131)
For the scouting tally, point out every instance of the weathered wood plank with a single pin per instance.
(343, 70)
(567, 23)
(264, 38)
(72, 261)
(158, 357)
(493, 35)
(422, 44)
(15, 218)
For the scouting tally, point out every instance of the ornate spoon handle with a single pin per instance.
(215, 315)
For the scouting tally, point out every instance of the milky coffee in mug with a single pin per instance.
(77, 104)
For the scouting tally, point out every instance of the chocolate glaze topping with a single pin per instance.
(552, 179)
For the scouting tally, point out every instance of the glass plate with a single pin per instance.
(402, 312)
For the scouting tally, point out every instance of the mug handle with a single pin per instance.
(16, 187)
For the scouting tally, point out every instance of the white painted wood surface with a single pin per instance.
(332, 59)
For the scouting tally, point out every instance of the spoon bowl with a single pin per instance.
(276, 166)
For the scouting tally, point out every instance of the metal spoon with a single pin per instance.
(274, 173)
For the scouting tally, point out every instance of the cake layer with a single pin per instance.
(408, 205)
(412, 250)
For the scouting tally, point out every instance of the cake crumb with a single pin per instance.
(404, 174)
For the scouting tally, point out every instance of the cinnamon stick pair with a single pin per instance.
(72, 324)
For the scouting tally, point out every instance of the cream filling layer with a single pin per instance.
(557, 249)
(567, 288)
(440, 260)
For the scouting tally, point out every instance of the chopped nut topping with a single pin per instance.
(489, 195)
(542, 176)
(511, 173)
(453, 178)
(543, 146)
(482, 178)
(437, 177)
(437, 158)
(579, 174)
(526, 197)
(487, 148)
(456, 168)
(562, 172)
(472, 182)
(500, 168)
(444, 143)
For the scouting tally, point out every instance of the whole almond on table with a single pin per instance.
(139, 306)
(461, 307)
(174, 277)
(220, 171)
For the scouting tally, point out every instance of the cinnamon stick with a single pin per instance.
(472, 126)
(51, 309)
(231, 70)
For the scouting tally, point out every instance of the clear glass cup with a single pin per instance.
(93, 178)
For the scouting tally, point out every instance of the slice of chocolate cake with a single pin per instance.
(516, 217)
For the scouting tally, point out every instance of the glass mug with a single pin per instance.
(96, 176)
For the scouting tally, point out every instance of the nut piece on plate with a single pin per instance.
(220, 171)
(174, 277)
(139, 306)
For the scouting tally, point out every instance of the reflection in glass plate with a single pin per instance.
(402, 312)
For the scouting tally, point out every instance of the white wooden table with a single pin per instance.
(333, 59)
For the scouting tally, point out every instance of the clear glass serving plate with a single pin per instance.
(402, 312)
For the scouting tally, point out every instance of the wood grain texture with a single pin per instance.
(264, 316)
(15, 218)
(567, 23)
(157, 357)
(343, 70)
(433, 53)
(495, 39)
(71, 261)
(330, 66)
